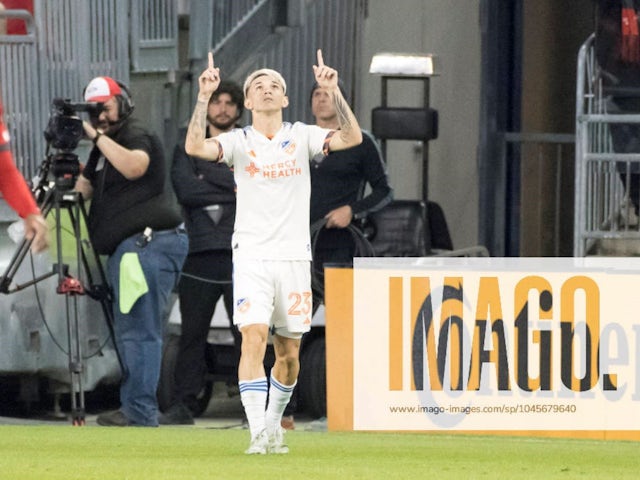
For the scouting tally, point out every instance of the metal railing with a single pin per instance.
(332, 25)
(228, 18)
(67, 43)
(154, 35)
(247, 35)
(69, 57)
(604, 211)
(20, 82)
(539, 208)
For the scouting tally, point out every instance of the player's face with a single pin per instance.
(222, 113)
(322, 105)
(265, 94)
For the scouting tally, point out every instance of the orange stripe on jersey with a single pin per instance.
(220, 150)
(325, 145)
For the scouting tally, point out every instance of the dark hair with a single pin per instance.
(234, 91)
(341, 86)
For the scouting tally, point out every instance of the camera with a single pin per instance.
(63, 132)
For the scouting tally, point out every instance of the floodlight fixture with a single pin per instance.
(405, 64)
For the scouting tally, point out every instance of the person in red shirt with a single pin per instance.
(17, 194)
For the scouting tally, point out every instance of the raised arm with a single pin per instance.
(349, 135)
(196, 143)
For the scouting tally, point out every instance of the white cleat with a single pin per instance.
(276, 442)
(259, 444)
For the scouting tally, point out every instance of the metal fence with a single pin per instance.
(68, 42)
(55, 59)
(541, 209)
(154, 35)
(227, 18)
(530, 210)
(251, 34)
(20, 84)
(332, 25)
(605, 220)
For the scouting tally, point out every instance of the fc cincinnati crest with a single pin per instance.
(288, 146)
(243, 305)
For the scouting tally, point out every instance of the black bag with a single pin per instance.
(408, 228)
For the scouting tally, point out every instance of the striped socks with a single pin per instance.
(253, 394)
(279, 396)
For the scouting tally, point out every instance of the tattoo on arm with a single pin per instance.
(198, 124)
(345, 116)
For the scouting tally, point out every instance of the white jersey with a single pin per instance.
(273, 189)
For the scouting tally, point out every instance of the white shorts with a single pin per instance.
(276, 293)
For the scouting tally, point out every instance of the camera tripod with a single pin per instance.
(58, 196)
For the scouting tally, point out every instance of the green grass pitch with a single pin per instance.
(66, 453)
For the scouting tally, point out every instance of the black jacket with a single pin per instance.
(206, 191)
(340, 179)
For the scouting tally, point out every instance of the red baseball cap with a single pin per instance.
(101, 89)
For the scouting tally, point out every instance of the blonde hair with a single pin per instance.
(259, 73)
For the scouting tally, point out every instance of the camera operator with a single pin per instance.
(135, 221)
(17, 194)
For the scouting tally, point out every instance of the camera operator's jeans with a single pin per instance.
(138, 334)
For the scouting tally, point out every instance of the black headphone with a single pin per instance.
(124, 99)
(125, 102)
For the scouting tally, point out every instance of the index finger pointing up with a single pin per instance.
(320, 61)
(210, 60)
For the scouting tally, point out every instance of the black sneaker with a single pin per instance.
(177, 414)
(114, 418)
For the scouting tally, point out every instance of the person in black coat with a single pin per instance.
(206, 191)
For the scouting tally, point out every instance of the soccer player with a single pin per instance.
(271, 245)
